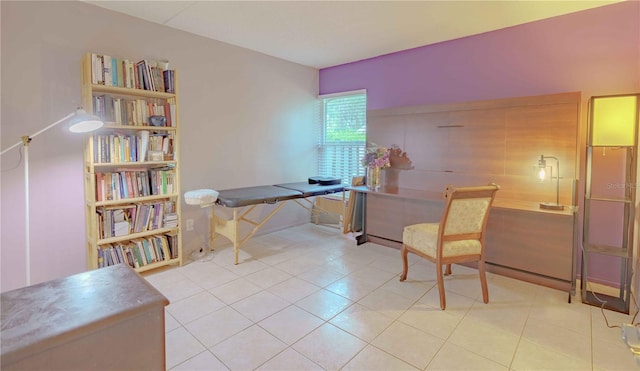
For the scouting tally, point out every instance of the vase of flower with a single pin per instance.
(373, 178)
(374, 160)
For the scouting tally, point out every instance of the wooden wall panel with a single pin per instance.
(482, 142)
(532, 131)
(425, 142)
(489, 141)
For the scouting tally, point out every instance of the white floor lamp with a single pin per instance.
(79, 122)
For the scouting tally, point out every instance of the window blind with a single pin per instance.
(343, 135)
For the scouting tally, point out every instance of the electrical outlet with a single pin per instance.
(189, 224)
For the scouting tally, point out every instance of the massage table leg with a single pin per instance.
(230, 228)
(331, 210)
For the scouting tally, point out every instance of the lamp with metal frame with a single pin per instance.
(78, 122)
(542, 166)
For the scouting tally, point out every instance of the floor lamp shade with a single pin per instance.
(82, 122)
(615, 120)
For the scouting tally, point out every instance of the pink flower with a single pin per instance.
(376, 156)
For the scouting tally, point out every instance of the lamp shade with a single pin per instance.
(83, 122)
(614, 120)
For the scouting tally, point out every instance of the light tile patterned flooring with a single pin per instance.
(308, 298)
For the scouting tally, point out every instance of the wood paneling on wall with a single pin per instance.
(487, 141)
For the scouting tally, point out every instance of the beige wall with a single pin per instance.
(246, 119)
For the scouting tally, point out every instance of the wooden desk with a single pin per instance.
(107, 319)
(522, 241)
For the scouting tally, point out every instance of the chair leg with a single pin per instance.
(405, 265)
(443, 301)
(447, 272)
(483, 282)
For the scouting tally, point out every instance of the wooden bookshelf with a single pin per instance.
(131, 165)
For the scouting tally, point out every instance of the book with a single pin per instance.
(114, 72)
(142, 79)
(165, 247)
(168, 76)
(149, 65)
(121, 228)
(100, 258)
(128, 256)
(131, 258)
(97, 71)
(99, 187)
(106, 67)
(172, 239)
(140, 252)
(147, 252)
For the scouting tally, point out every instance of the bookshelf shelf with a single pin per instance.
(159, 264)
(132, 178)
(132, 200)
(132, 236)
(116, 90)
(610, 199)
(135, 164)
(607, 250)
(112, 126)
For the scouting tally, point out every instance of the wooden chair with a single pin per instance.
(458, 238)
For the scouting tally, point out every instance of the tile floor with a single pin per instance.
(308, 298)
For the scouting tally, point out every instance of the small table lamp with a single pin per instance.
(542, 165)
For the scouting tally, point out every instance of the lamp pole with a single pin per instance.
(557, 177)
(25, 141)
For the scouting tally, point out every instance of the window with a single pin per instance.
(343, 135)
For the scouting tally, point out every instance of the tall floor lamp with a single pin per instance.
(79, 122)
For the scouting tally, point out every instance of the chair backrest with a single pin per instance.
(466, 212)
(357, 181)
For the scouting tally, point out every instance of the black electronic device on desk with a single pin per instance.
(324, 180)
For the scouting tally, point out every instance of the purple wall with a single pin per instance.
(596, 52)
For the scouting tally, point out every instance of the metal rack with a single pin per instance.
(609, 191)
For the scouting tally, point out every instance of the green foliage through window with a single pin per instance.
(345, 119)
(343, 136)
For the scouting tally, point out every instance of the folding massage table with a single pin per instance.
(244, 200)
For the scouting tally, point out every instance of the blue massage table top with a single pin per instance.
(239, 197)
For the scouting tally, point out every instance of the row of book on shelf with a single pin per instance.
(122, 220)
(140, 147)
(140, 251)
(131, 183)
(133, 112)
(145, 74)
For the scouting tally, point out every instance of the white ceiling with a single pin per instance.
(328, 33)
